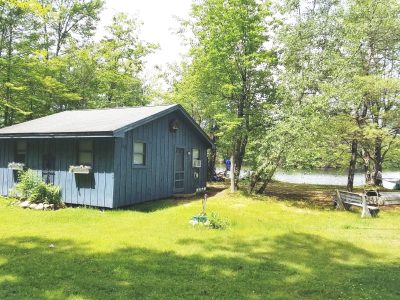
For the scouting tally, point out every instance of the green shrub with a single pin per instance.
(32, 187)
(27, 181)
(217, 222)
(47, 193)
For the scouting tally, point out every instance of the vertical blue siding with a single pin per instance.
(6, 175)
(115, 182)
(95, 189)
(134, 184)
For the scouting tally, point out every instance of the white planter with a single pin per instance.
(16, 166)
(80, 169)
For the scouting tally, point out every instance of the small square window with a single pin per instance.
(139, 153)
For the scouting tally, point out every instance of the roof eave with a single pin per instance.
(29, 135)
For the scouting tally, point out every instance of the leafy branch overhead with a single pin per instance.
(50, 61)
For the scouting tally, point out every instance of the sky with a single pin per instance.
(159, 24)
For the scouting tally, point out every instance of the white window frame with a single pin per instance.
(143, 153)
(194, 159)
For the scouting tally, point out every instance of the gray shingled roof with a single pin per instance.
(93, 122)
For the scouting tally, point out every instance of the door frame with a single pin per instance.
(184, 166)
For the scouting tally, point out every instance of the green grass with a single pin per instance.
(278, 246)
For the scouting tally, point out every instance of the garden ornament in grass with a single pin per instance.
(204, 202)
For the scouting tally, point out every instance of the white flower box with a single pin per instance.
(80, 169)
(16, 166)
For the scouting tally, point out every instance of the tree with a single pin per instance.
(342, 57)
(33, 33)
(373, 33)
(121, 60)
(49, 61)
(68, 19)
(230, 73)
(17, 25)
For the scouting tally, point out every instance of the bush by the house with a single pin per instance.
(46, 193)
(32, 188)
(27, 181)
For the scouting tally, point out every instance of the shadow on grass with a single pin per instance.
(155, 205)
(303, 195)
(290, 266)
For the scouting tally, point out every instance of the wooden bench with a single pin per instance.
(344, 200)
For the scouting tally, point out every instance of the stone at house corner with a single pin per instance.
(40, 206)
(24, 204)
(32, 206)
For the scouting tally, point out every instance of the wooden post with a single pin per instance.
(233, 187)
(339, 201)
(204, 204)
(365, 211)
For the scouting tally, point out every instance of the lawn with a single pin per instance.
(288, 244)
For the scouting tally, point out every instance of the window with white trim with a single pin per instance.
(139, 154)
(196, 162)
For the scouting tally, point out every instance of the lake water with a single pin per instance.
(327, 177)
(330, 177)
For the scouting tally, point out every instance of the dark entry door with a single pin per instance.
(48, 168)
(179, 176)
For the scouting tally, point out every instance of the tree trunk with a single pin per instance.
(352, 165)
(241, 135)
(7, 115)
(233, 174)
(261, 190)
(377, 160)
(239, 152)
(254, 179)
(212, 159)
(367, 172)
(267, 180)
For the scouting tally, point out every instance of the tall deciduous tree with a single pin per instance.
(121, 62)
(49, 60)
(68, 19)
(230, 74)
(17, 33)
(341, 57)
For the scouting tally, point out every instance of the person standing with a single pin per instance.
(227, 166)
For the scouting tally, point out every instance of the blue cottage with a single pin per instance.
(109, 157)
